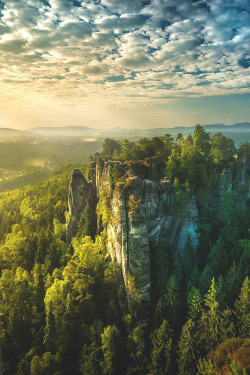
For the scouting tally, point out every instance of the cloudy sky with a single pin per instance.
(130, 63)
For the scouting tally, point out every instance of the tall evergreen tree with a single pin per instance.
(242, 309)
(205, 368)
(49, 331)
(187, 349)
(137, 352)
(110, 349)
(194, 304)
(210, 320)
(87, 223)
(160, 355)
(89, 360)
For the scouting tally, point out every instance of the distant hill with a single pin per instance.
(8, 134)
(118, 131)
(238, 126)
(62, 130)
(239, 132)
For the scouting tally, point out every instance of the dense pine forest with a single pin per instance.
(64, 309)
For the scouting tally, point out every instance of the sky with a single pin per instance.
(128, 63)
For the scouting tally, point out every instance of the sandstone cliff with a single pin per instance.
(141, 210)
(81, 193)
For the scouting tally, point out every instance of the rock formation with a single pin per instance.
(142, 211)
(81, 193)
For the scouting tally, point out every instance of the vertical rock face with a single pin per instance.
(141, 213)
(81, 193)
(142, 209)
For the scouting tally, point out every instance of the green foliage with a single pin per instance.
(182, 195)
(206, 368)
(144, 148)
(90, 360)
(104, 207)
(133, 205)
(162, 266)
(223, 150)
(136, 347)
(110, 349)
(110, 148)
(134, 300)
(45, 365)
(172, 299)
(64, 309)
(188, 349)
(161, 347)
(210, 320)
(231, 356)
(244, 150)
(118, 172)
(87, 223)
(194, 304)
(242, 309)
(179, 137)
(201, 140)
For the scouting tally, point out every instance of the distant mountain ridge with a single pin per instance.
(82, 129)
(77, 128)
(239, 132)
(237, 126)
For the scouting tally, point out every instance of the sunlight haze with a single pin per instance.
(140, 63)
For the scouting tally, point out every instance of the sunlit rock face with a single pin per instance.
(235, 180)
(81, 193)
(142, 212)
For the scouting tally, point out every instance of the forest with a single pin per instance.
(26, 161)
(62, 304)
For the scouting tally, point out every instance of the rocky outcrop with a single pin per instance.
(237, 180)
(141, 210)
(81, 194)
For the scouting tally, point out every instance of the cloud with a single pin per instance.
(143, 49)
(78, 29)
(122, 6)
(14, 46)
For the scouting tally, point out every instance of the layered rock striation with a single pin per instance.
(137, 208)
(141, 210)
(81, 194)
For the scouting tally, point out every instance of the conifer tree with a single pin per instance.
(194, 304)
(89, 360)
(205, 368)
(242, 309)
(87, 223)
(210, 320)
(172, 300)
(218, 257)
(232, 283)
(160, 355)
(49, 331)
(187, 349)
(160, 311)
(205, 279)
(162, 265)
(110, 349)
(137, 352)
